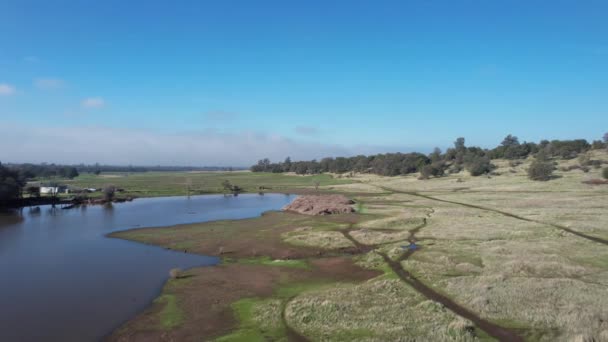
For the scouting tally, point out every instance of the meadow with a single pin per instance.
(154, 184)
(493, 254)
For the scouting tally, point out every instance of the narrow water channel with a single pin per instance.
(63, 280)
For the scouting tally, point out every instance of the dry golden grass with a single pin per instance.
(549, 283)
(308, 236)
(370, 237)
(377, 310)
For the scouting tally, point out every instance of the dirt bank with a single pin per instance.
(205, 296)
(321, 205)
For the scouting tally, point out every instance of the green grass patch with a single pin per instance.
(249, 329)
(153, 184)
(171, 316)
(260, 319)
(360, 208)
(387, 270)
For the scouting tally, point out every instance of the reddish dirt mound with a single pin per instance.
(321, 205)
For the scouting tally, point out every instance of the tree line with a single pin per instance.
(474, 159)
(45, 170)
(30, 171)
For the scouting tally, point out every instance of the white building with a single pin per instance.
(53, 190)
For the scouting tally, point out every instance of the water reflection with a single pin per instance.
(34, 211)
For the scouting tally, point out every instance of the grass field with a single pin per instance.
(528, 257)
(153, 184)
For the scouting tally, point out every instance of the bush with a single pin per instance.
(455, 168)
(541, 170)
(436, 169)
(479, 166)
(605, 173)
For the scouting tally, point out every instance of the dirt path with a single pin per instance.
(488, 327)
(569, 230)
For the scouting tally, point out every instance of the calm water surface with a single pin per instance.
(63, 280)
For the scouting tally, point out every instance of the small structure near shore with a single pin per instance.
(321, 205)
(53, 189)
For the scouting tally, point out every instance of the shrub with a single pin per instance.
(455, 168)
(479, 166)
(541, 170)
(605, 173)
(435, 169)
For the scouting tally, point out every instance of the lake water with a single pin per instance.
(61, 279)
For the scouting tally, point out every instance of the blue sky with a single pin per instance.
(229, 82)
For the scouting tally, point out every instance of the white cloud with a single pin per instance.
(6, 89)
(93, 102)
(49, 83)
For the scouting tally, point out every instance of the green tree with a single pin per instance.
(459, 144)
(287, 165)
(11, 184)
(436, 155)
(510, 140)
(72, 173)
(33, 191)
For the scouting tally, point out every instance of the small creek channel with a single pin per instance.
(63, 280)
